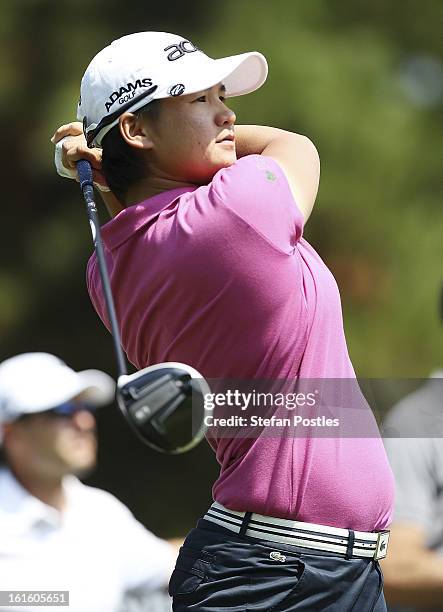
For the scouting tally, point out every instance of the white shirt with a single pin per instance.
(95, 549)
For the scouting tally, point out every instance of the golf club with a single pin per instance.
(164, 403)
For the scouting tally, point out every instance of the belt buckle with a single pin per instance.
(381, 547)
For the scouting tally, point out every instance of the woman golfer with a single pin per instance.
(209, 267)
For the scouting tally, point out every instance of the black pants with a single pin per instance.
(219, 570)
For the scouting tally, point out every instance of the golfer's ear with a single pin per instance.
(135, 131)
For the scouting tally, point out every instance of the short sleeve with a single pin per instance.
(256, 189)
(411, 463)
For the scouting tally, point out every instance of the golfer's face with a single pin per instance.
(191, 136)
(58, 445)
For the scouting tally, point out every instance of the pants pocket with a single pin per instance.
(190, 571)
(274, 589)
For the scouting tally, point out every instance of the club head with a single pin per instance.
(164, 404)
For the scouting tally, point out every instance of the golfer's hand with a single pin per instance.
(71, 148)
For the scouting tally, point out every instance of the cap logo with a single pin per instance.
(176, 90)
(126, 92)
(179, 50)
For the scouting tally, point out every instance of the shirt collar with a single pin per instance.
(28, 511)
(130, 219)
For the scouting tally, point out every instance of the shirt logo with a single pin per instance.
(126, 92)
(178, 51)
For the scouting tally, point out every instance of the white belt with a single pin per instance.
(372, 545)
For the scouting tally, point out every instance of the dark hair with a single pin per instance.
(3, 461)
(123, 165)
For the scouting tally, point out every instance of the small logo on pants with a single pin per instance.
(276, 556)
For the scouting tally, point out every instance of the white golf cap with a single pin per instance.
(34, 382)
(136, 69)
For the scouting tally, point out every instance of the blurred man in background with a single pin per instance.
(413, 570)
(57, 534)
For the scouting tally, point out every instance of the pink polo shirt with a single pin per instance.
(219, 277)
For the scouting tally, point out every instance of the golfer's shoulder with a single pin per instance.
(257, 178)
(99, 501)
(82, 493)
(256, 190)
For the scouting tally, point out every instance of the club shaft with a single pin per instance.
(91, 209)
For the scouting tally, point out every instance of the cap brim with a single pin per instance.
(96, 387)
(93, 386)
(240, 74)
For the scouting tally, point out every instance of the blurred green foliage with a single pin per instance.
(342, 73)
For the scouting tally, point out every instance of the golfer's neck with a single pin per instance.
(48, 490)
(146, 188)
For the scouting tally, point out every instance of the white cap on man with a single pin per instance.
(35, 382)
(138, 68)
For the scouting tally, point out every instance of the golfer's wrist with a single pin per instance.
(71, 173)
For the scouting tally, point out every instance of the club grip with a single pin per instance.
(84, 173)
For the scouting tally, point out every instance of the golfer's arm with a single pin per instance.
(295, 153)
(413, 574)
